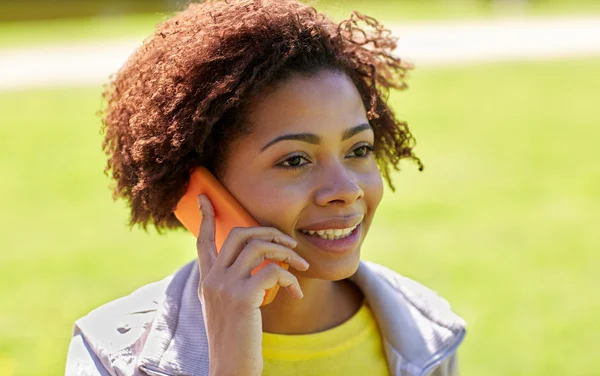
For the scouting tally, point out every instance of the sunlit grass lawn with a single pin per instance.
(503, 221)
(84, 30)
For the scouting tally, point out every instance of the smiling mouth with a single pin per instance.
(331, 243)
(331, 234)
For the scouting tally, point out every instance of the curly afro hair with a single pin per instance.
(181, 98)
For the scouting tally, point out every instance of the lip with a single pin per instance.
(335, 223)
(335, 246)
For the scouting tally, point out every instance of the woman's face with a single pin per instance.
(306, 166)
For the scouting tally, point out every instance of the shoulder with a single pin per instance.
(118, 328)
(115, 333)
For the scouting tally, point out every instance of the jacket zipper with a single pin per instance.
(439, 357)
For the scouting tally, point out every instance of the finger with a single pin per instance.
(272, 275)
(205, 244)
(238, 237)
(258, 250)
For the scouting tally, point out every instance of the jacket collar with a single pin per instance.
(417, 326)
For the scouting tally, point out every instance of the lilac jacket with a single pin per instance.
(159, 330)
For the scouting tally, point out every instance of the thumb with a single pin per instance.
(205, 243)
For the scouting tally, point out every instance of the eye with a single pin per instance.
(293, 162)
(363, 151)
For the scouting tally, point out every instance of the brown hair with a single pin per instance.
(180, 99)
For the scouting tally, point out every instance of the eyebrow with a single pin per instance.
(315, 139)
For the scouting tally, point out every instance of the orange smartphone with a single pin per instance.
(229, 213)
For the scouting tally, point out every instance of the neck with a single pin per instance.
(325, 304)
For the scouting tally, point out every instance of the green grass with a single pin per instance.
(79, 30)
(503, 222)
(23, 33)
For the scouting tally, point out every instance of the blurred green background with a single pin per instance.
(504, 221)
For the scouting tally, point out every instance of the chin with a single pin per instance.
(332, 268)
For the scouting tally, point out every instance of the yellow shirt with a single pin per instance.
(352, 348)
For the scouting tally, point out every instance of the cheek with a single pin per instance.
(373, 188)
(272, 205)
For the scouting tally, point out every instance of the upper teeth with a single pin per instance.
(334, 232)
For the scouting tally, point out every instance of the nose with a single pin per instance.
(338, 185)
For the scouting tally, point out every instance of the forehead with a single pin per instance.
(325, 101)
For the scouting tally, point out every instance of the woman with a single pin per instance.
(288, 110)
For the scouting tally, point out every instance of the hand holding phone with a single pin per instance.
(228, 214)
(230, 299)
